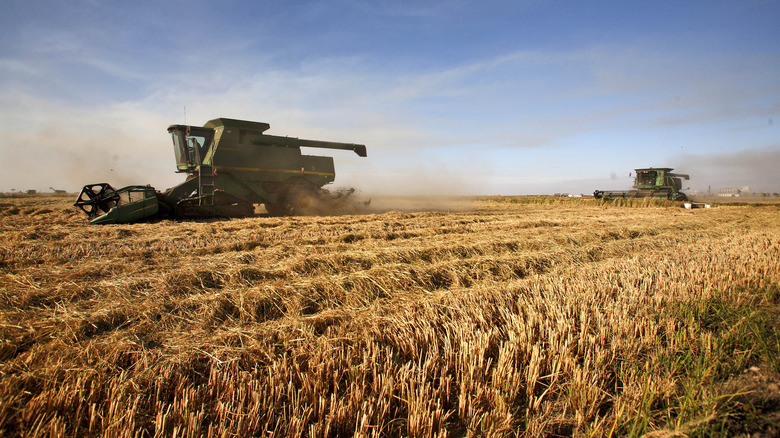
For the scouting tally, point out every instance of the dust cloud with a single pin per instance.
(756, 168)
(348, 201)
(417, 189)
(415, 203)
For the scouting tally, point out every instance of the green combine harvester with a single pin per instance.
(231, 165)
(650, 183)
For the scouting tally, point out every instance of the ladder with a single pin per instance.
(206, 184)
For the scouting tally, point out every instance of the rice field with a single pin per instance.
(493, 316)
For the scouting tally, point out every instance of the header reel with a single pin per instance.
(96, 199)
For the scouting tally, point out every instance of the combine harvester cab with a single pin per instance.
(651, 182)
(231, 165)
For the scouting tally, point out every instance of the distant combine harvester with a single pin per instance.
(651, 183)
(57, 191)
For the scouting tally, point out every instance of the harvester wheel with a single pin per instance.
(277, 208)
(302, 201)
(308, 200)
(222, 205)
(298, 200)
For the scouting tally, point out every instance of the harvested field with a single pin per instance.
(490, 317)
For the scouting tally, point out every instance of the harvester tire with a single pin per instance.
(297, 200)
(303, 200)
(277, 209)
(223, 205)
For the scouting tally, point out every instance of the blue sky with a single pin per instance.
(450, 97)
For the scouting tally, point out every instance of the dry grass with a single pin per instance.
(494, 317)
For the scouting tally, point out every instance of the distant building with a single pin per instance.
(733, 192)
